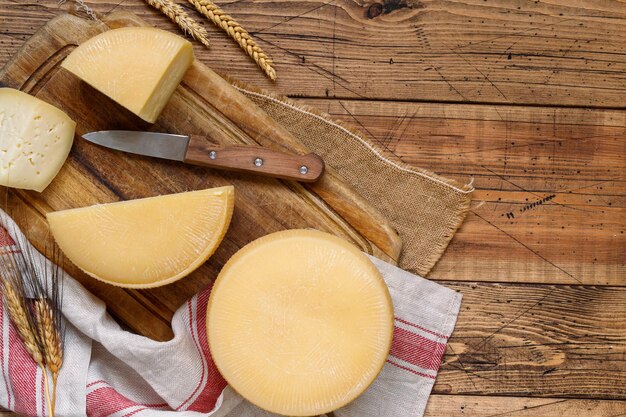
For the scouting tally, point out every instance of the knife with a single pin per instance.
(196, 150)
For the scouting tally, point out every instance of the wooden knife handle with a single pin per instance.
(254, 159)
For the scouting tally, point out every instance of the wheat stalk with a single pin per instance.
(82, 7)
(50, 332)
(238, 33)
(179, 16)
(51, 340)
(26, 325)
(88, 10)
(20, 318)
(38, 322)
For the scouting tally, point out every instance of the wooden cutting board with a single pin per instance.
(203, 101)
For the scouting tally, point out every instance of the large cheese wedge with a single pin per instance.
(299, 322)
(138, 67)
(148, 242)
(35, 139)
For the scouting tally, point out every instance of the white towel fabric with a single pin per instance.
(108, 371)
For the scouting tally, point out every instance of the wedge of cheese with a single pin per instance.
(138, 67)
(299, 322)
(147, 242)
(35, 139)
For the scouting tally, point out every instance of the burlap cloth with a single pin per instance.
(426, 209)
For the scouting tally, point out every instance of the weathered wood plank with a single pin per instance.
(485, 406)
(513, 51)
(537, 340)
(550, 204)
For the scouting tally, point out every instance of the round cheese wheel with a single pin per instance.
(299, 322)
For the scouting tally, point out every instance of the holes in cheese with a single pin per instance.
(299, 322)
(147, 242)
(138, 67)
(35, 139)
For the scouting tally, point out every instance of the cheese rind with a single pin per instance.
(299, 322)
(35, 139)
(147, 242)
(138, 67)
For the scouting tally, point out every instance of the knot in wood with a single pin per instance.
(374, 10)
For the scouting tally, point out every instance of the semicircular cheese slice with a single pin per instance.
(147, 242)
(138, 67)
(299, 322)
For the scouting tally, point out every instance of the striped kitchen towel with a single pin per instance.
(108, 371)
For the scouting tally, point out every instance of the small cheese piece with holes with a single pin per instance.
(299, 322)
(35, 139)
(138, 67)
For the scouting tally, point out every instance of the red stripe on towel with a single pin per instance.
(23, 375)
(215, 382)
(91, 384)
(443, 336)
(416, 350)
(105, 401)
(5, 238)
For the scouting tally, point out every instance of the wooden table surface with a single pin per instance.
(528, 99)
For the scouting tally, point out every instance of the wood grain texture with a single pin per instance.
(550, 204)
(470, 406)
(554, 52)
(537, 340)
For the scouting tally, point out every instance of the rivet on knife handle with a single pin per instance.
(258, 160)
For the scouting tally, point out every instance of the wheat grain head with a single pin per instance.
(238, 33)
(179, 16)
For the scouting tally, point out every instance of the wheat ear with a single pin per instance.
(38, 323)
(238, 33)
(51, 340)
(20, 318)
(179, 16)
(26, 330)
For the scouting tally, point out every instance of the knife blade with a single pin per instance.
(198, 150)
